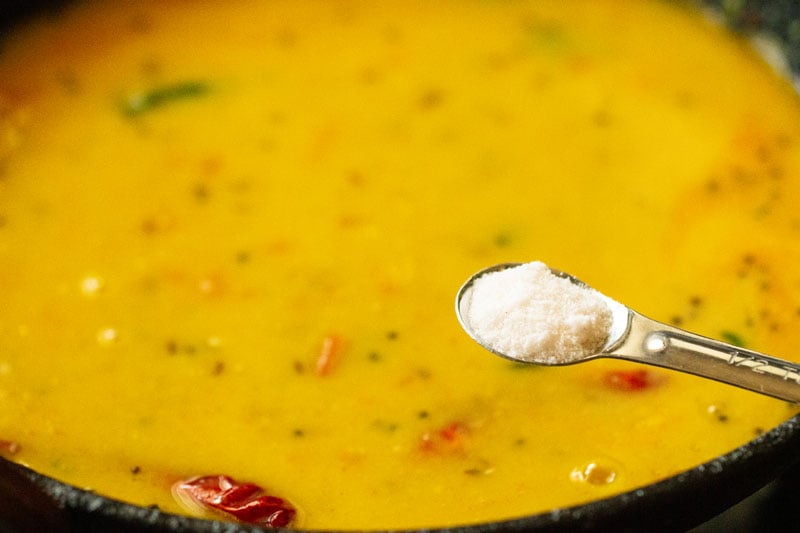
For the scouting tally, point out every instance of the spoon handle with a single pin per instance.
(655, 343)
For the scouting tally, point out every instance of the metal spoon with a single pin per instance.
(634, 337)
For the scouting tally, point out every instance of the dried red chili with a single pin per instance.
(247, 502)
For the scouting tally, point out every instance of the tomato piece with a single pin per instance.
(453, 431)
(246, 502)
(9, 447)
(450, 438)
(329, 354)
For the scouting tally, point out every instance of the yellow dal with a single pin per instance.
(194, 196)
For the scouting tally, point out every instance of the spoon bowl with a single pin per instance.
(620, 322)
(634, 337)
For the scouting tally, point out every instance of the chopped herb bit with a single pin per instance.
(299, 367)
(547, 36)
(145, 101)
(218, 368)
(68, 82)
(174, 347)
(391, 335)
(201, 193)
(431, 99)
(355, 178)
(718, 413)
(685, 100)
(520, 441)
(136, 470)
(423, 414)
(732, 338)
(501, 240)
(298, 433)
(286, 37)
(374, 356)
(384, 425)
(370, 75)
(243, 257)
(149, 226)
(601, 118)
(481, 469)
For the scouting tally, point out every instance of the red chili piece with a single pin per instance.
(449, 438)
(329, 354)
(9, 446)
(246, 502)
(630, 380)
(453, 431)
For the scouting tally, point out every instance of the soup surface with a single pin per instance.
(231, 234)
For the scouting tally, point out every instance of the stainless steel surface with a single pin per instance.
(651, 342)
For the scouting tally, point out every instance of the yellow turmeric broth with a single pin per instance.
(231, 234)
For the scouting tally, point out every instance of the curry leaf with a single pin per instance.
(142, 102)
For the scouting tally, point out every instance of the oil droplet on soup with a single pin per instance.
(231, 232)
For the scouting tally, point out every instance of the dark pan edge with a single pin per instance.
(31, 501)
(676, 503)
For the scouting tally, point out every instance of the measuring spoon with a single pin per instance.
(634, 337)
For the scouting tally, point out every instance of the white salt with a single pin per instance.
(530, 314)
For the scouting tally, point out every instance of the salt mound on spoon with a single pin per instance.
(528, 313)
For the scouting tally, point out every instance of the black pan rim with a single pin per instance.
(691, 497)
(694, 496)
